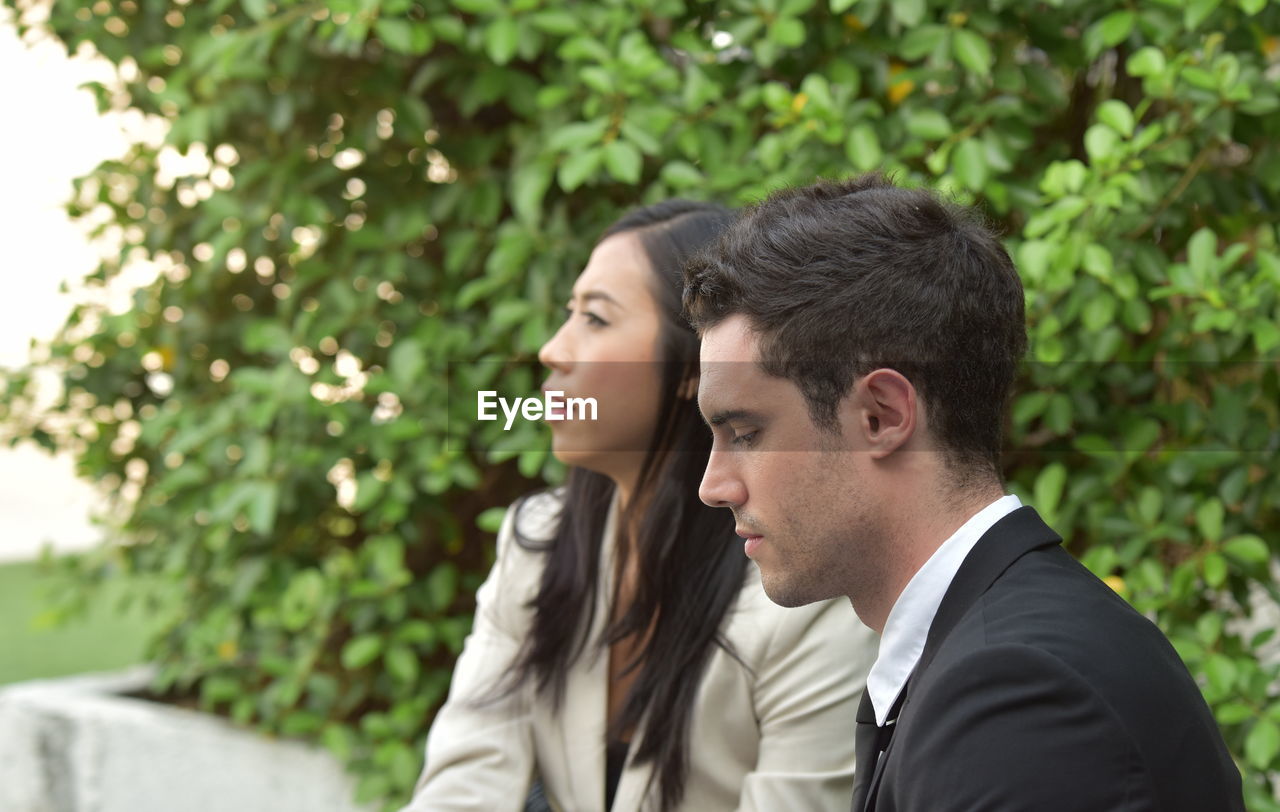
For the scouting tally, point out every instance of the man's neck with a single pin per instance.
(914, 536)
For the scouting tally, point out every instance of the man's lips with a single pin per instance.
(752, 540)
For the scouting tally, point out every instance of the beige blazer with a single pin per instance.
(776, 737)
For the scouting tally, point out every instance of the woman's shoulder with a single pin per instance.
(765, 630)
(514, 578)
(531, 521)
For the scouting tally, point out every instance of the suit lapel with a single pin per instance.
(873, 787)
(1009, 539)
(864, 751)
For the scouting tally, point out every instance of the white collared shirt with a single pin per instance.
(912, 614)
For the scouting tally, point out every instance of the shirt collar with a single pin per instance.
(909, 620)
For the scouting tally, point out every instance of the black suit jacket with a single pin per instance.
(1040, 689)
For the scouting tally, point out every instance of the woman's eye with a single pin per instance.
(592, 319)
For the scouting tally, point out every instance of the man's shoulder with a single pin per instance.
(1049, 601)
(1048, 618)
(1050, 665)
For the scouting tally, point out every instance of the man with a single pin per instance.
(859, 344)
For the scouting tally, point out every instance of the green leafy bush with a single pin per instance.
(396, 185)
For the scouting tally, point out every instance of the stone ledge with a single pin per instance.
(76, 745)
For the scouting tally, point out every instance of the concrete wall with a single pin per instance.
(74, 745)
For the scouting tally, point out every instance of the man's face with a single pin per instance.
(799, 493)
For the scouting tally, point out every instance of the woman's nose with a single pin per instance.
(555, 353)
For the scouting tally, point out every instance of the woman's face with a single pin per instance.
(607, 349)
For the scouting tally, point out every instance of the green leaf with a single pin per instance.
(681, 175)
(863, 147)
(1146, 61)
(529, 184)
(1233, 713)
(623, 161)
(1209, 519)
(1215, 570)
(908, 12)
(556, 21)
(1098, 312)
(1049, 487)
(491, 519)
(501, 39)
(262, 508)
(577, 135)
(1252, 7)
(1248, 548)
(1150, 503)
(597, 78)
(1097, 261)
(397, 35)
(478, 6)
(340, 740)
(928, 124)
(841, 6)
(406, 363)
(969, 162)
(1033, 259)
(369, 491)
(1202, 254)
(1100, 142)
(920, 42)
(1266, 335)
(1116, 115)
(442, 586)
(1197, 11)
(972, 51)
(788, 32)
(1262, 744)
(402, 664)
(301, 598)
(258, 10)
(578, 167)
(1116, 27)
(1222, 673)
(361, 651)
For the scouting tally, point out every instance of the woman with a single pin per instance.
(624, 653)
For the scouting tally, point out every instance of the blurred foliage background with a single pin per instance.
(373, 189)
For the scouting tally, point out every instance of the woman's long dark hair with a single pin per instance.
(690, 568)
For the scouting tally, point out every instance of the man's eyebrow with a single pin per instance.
(722, 417)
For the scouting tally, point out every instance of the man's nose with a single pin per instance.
(721, 487)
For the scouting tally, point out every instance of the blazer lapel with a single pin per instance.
(1009, 539)
(583, 718)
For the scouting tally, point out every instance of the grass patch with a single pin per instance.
(103, 639)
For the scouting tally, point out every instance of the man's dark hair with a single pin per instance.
(841, 278)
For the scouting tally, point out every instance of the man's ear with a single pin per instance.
(887, 411)
(688, 389)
